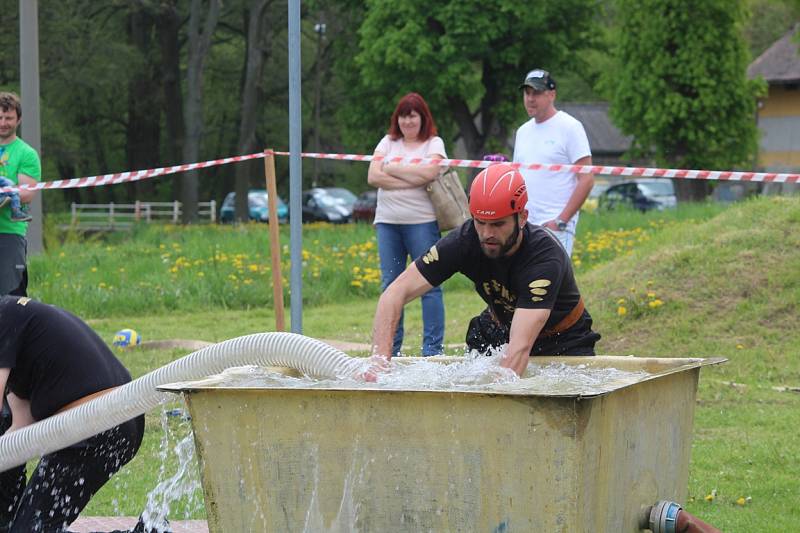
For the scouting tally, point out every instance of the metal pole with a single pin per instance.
(320, 29)
(31, 128)
(295, 170)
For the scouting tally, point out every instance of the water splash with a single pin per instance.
(181, 485)
(473, 373)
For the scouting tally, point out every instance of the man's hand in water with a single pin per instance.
(525, 327)
(517, 362)
(377, 364)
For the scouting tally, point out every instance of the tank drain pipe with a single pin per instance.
(663, 518)
(307, 355)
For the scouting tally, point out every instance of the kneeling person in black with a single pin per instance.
(50, 361)
(520, 270)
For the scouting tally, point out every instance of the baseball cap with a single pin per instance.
(539, 80)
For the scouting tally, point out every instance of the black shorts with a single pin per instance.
(484, 332)
(13, 269)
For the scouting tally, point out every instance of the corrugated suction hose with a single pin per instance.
(310, 356)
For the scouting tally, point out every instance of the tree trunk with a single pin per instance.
(199, 45)
(473, 139)
(468, 126)
(691, 190)
(476, 129)
(687, 190)
(257, 39)
(97, 162)
(144, 104)
(168, 27)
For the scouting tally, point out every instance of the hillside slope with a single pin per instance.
(728, 284)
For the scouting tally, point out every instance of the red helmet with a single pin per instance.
(497, 192)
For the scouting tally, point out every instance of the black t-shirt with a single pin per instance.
(55, 358)
(537, 276)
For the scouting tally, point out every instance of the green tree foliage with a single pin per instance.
(466, 57)
(680, 85)
(113, 78)
(769, 21)
(106, 66)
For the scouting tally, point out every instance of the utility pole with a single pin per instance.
(320, 29)
(31, 127)
(295, 169)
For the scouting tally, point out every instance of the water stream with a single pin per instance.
(178, 476)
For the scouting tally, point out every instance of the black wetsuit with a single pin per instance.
(55, 358)
(537, 276)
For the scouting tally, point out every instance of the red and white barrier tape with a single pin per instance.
(123, 177)
(728, 175)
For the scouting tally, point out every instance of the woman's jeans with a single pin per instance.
(396, 242)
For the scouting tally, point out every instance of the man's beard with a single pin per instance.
(504, 247)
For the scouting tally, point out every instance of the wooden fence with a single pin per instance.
(112, 217)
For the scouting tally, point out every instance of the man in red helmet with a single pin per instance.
(520, 270)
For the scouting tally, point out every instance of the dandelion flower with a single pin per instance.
(622, 311)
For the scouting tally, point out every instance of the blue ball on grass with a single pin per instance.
(126, 338)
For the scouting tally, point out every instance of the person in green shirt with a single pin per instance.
(19, 165)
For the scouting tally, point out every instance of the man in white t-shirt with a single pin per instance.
(552, 136)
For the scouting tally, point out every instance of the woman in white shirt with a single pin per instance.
(404, 218)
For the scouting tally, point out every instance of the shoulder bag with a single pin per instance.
(449, 199)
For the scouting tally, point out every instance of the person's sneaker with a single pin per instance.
(4, 200)
(20, 216)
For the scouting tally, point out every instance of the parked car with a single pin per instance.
(592, 201)
(364, 208)
(328, 204)
(257, 201)
(642, 194)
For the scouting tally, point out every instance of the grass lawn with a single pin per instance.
(726, 282)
